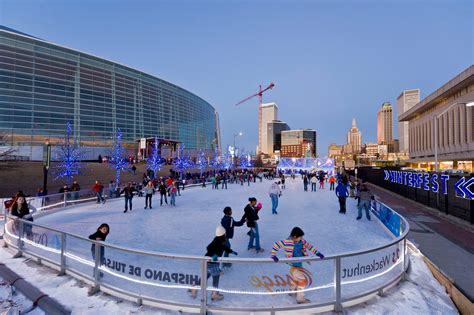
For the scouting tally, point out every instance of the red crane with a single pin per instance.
(260, 95)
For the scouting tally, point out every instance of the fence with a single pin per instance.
(256, 285)
(449, 203)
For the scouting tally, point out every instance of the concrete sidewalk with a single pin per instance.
(446, 241)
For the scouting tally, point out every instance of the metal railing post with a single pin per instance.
(337, 280)
(65, 199)
(97, 262)
(204, 286)
(62, 271)
(404, 258)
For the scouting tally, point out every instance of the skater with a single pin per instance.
(251, 216)
(365, 198)
(97, 189)
(229, 223)
(21, 209)
(100, 235)
(128, 194)
(342, 194)
(224, 181)
(163, 191)
(275, 193)
(112, 189)
(149, 190)
(321, 180)
(173, 191)
(313, 181)
(296, 246)
(283, 179)
(305, 182)
(332, 181)
(215, 250)
(75, 188)
(351, 189)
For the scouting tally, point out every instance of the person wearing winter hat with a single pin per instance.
(296, 246)
(229, 223)
(251, 216)
(215, 250)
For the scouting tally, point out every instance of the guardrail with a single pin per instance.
(162, 279)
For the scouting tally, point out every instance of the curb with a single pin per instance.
(40, 299)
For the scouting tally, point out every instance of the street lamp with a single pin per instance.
(235, 151)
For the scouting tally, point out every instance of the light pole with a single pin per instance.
(435, 118)
(235, 151)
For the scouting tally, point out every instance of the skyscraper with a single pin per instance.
(385, 124)
(269, 113)
(406, 100)
(354, 138)
(274, 129)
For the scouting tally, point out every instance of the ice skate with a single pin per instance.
(216, 296)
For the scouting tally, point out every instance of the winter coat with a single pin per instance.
(341, 190)
(26, 212)
(217, 247)
(162, 189)
(314, 180)
(288, 246)
(229, 223)
(97, 188)
(128, 192)
(98, 234)
(274, 189)
(148, 190)
(365, 195)
(251, 214)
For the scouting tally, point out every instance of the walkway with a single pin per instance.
(448, 244)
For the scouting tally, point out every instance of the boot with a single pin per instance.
(216, 296)
(193, 293)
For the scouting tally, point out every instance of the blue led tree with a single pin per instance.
(155, 162)
(215, 163)
(118, 160)
(201, 161)
(245, 161)
(227, 161)
(69, 154)
(182, 162)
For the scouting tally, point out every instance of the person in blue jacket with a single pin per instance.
(342, 194)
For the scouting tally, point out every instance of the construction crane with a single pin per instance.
(260, 96)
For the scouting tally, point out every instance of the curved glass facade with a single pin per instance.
(42, 86)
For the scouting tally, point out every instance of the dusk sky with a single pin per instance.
(330, 60)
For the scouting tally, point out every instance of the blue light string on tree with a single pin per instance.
(201, 161)
(118, 161)
(155, 162)
(69, 154)
(182, 162)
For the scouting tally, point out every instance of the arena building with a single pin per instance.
(43, 86)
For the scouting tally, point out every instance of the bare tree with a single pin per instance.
(5, 150)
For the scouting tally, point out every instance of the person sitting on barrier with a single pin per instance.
(100, 235)
(365, 198)
(215, 249)
(296, 246)
(20, 208)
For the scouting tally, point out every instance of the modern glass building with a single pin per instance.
(43, 86)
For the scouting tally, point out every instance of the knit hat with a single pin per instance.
(220, 230)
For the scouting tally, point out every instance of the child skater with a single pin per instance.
(296, 246)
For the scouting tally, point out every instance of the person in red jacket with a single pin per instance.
(98, 188)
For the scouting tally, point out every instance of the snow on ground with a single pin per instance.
(189, 227)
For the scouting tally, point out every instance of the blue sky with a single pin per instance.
(330, 60)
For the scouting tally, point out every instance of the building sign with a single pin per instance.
(431, 182)
(143, 143)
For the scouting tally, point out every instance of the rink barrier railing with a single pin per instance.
(337, 304)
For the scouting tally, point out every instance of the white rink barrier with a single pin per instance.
(166, 280)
